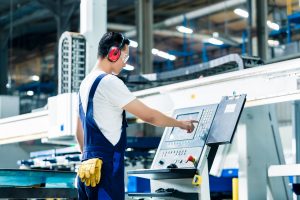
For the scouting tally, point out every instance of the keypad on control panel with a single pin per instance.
(206, 117)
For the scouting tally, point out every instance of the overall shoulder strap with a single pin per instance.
(94, 87)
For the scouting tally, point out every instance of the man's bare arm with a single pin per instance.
(79, 134)
(152, 116)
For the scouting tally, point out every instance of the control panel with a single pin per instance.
(179, 149)
(184, 157)
(216, 125)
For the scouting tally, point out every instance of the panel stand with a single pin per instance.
(296, 130)
(259, 146)
(183, 187)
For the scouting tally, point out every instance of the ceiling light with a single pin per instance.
(163, 54)
(215, 41)
(154, 51)
(35, 78)
(273, 25)
(241, 12)
(128, 67)
(30, 93)
(273, 43)
(133, 44)
(184, 29)
(172, 57)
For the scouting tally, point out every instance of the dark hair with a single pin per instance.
(111, 39)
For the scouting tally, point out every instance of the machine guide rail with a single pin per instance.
(15, 192)
(175, 194)
(18, 183)
(158, 174)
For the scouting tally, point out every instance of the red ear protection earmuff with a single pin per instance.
(114, 52)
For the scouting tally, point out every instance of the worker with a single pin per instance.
(101, 129)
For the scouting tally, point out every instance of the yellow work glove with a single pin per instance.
(90, 171)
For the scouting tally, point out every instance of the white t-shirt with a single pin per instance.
(110, 97)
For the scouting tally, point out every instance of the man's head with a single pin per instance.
(113, 49)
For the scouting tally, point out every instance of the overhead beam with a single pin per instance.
(43, 14)
(52, 6)
(119, 27)
(193, 14)
(43, 27)
(234, 41)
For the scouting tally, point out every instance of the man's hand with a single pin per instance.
(90, 171)
(188, 125)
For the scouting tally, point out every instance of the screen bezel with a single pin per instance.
(199, 113)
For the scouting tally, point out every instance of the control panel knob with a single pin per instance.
(161, 162)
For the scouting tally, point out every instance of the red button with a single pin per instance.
(191, 158)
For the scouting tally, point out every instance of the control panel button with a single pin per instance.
(191, 159)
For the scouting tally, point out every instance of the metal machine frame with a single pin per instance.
(272, 83)
(275, 83)
(260, 147)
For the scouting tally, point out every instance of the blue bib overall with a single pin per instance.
(96, 145)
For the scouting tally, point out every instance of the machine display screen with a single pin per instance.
(180, 134)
